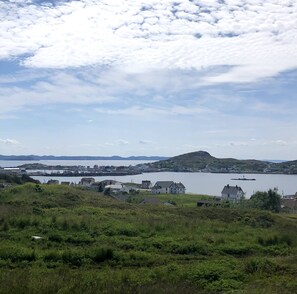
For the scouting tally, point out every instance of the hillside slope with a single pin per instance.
(59, 239)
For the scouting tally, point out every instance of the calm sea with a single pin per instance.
(202, 183)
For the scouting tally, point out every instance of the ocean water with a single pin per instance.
(201, 183)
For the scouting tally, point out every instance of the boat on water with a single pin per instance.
(243, 178)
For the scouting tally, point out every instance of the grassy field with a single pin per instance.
(91, 243)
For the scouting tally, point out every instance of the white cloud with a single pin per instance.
(122, 142)
(144, 112)
(9, 142)
(145, 142)
(118, 142)
(257, 39)
(58, 88)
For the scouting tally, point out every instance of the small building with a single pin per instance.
(232, 193)
(168, 187)
(53, 182)
(146, 185)
(87, 181)
(120, 188)
(108, 182)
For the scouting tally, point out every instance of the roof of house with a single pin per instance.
(108, 182)
(87, 179)
(163, 184)
(290, 196)
(180, 185)
(231, 189)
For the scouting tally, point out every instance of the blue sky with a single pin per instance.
(152, 77)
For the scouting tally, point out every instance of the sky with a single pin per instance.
(149, 77)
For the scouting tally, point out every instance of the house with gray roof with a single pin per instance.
(232, 193)
(87, 181)
(146, 185)
(168, 187)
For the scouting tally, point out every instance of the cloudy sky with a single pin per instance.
(149, 77)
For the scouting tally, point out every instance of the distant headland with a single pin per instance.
(52, 157)
(199, 161)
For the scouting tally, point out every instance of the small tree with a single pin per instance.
(270, 200)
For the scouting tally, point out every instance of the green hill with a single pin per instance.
(60, 239)
(203, 161)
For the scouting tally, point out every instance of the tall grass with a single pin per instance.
(92, 243)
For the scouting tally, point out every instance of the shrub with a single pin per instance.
(276, 240)
(55, 238)
(102, 254)
(53, 256)
(189, 249)
(17, 254)
(217, 277)
(237, 250)
(72, 257)
(261, 266)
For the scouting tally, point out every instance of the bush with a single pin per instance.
(102, 254)
(236, 250)
(73, 257)
(276, 240)
(261, 266)
(55, 238)
(52, 256)
(270, 200)
(217, 277)
(189, 249)
(17, 254)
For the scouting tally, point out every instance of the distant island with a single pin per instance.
(243, 179)
(199, 161)
(202, 161)
(52, 157)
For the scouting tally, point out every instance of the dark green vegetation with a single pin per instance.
(270, 200)
(93, 244)
(15, 179)
(203, 161)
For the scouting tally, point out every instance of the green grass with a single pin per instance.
(181, 200)
(92, 243)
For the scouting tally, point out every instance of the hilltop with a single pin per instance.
(204, 162)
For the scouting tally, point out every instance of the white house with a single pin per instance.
(233, 193)
(120, 188)
(168, 187)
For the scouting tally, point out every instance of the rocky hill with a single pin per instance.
(204, 162)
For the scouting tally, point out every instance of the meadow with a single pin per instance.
(60, 239)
